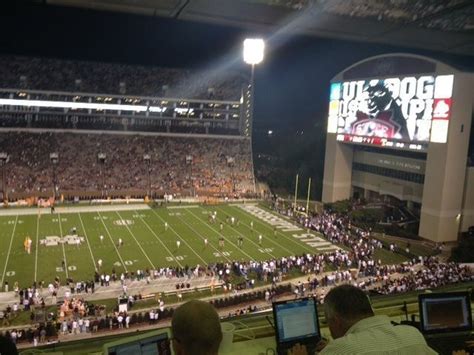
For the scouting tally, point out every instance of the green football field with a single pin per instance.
(147, 242)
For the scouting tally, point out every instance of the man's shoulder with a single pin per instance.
(380, 336)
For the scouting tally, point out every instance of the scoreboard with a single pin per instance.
(399, 112)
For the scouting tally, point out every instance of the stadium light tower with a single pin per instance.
(253, 55)
(254, 49)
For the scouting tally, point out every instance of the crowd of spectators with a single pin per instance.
(17, 72)
(356, 265)
(433, 275)
(72, 320)
(438, 14)
(193, 165)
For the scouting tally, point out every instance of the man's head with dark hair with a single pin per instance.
(344, 306)
(7, 346)
(196, 329)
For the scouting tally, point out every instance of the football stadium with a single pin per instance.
(237, 177)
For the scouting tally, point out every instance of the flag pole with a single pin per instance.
(307, 198)
(296, 193)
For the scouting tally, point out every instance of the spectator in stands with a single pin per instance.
(196, 329)
(124, 171)
(356, 330)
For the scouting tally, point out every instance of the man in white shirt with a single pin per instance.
(356, 330)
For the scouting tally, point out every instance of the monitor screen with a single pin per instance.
(155, 343)
(445, 312)
(397, 112)
(296, 320)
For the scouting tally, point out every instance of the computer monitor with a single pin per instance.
(157, 342)
(445, 312)
(296, 321)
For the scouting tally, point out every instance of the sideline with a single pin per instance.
(73, 209)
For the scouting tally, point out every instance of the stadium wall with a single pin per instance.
(467, 216)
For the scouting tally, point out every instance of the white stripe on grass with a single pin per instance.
(251, 241)
(177, 234)
(292, 252)
(37, 246)
(199, 234)
(110, 237)
(87, 240)
(216, 231)
(133, 236)
(62, 244)
(295, 241)
(159, 239)
(9, 250)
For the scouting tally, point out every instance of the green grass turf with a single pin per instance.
(147, 243)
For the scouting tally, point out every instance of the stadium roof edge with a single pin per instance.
(266, 16)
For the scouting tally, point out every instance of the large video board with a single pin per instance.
(403, 112)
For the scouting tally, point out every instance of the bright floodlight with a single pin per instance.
(253, 50)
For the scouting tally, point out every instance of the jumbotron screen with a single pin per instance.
(400, 112)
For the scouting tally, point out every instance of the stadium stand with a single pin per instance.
(177, 162)
(452, 15)
(202, 166)
(20, 72)
(444, 15)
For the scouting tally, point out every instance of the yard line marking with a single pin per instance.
(9, 250)
(250, 239)
(184, 241)
(195, 231)
(178, 207)
(87, 240)
(62, 244)
(37, 246)
(159, 239)
(216, 231)
(271, 238)
(133, 236)
(110, 237)
(278, 232)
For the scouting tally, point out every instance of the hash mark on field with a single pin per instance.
(87, 240)
(110, 237)
(9, 250)
(158, 239)
(248, 238)
(62, 244)
(133, 236)
(184, 241)
(216, 231)
(199, 234)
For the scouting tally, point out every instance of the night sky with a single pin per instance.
(291, 85)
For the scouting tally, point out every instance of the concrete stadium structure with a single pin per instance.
(429, 171)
